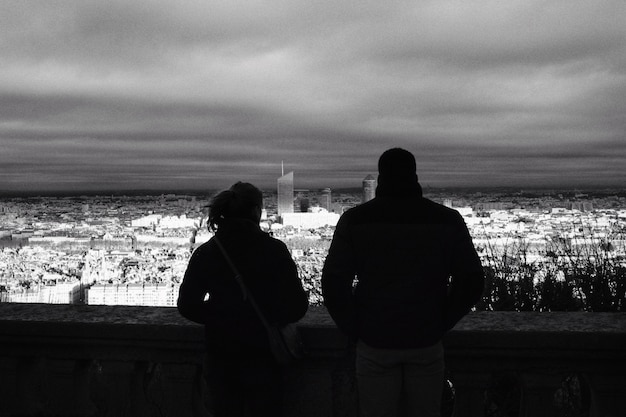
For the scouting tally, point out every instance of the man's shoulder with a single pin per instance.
(363, 207)
(363, 211)
(421, 207)
(440, 208)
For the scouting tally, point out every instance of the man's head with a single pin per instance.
(397, 163)
(396, 173)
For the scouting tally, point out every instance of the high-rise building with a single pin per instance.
(326, 199)
(369, 188)
(285, 194)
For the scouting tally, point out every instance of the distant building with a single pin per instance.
(493, 206)
(325, 199)
(581, 206)
(369, 188)
(304, 204)
(179, 222)
(61, 293)
(311, 220)
(135, 294)
(285, 194)
(146, 221)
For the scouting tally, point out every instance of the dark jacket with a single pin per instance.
(268, 271)
(417, 270)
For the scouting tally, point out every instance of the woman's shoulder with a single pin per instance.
(205, 246)
(268, 237)
(203, 249)
(271, 242)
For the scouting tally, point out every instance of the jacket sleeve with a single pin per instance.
(337, 279)
(191, 303)
(467, 276)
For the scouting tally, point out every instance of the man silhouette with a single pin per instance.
(417, 274)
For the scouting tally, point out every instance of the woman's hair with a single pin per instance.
(238, 201)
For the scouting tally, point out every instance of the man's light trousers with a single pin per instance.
(384, 374)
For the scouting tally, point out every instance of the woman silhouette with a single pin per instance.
(241, 373)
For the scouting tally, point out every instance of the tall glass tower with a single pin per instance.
(285, 194)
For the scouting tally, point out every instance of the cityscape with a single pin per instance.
(134, 249)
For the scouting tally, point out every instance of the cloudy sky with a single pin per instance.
(162, 94)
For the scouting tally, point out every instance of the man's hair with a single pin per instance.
(397, 163)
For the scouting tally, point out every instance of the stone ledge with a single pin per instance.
(479, 330)
(491, 321)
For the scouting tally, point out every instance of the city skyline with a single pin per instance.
(117, 96)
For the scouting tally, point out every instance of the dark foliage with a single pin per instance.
(569, 277)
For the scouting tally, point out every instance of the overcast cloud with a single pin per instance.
(198, 94)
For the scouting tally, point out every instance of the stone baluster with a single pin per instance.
(344, 386)
(608, 394)
(469, 393)
(30, 398)
(144, 376)
(538, 390)
(201, 401)
(84, 373)
(68, 386)
(178, 384)
(113, 391)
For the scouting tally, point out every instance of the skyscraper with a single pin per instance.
(285, 194)
(369, 188)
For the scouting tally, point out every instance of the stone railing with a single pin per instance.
(60, 360)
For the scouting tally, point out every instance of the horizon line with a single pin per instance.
(208, 191)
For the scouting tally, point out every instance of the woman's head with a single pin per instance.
(243, 200)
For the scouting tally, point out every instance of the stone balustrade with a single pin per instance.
(67, 360)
